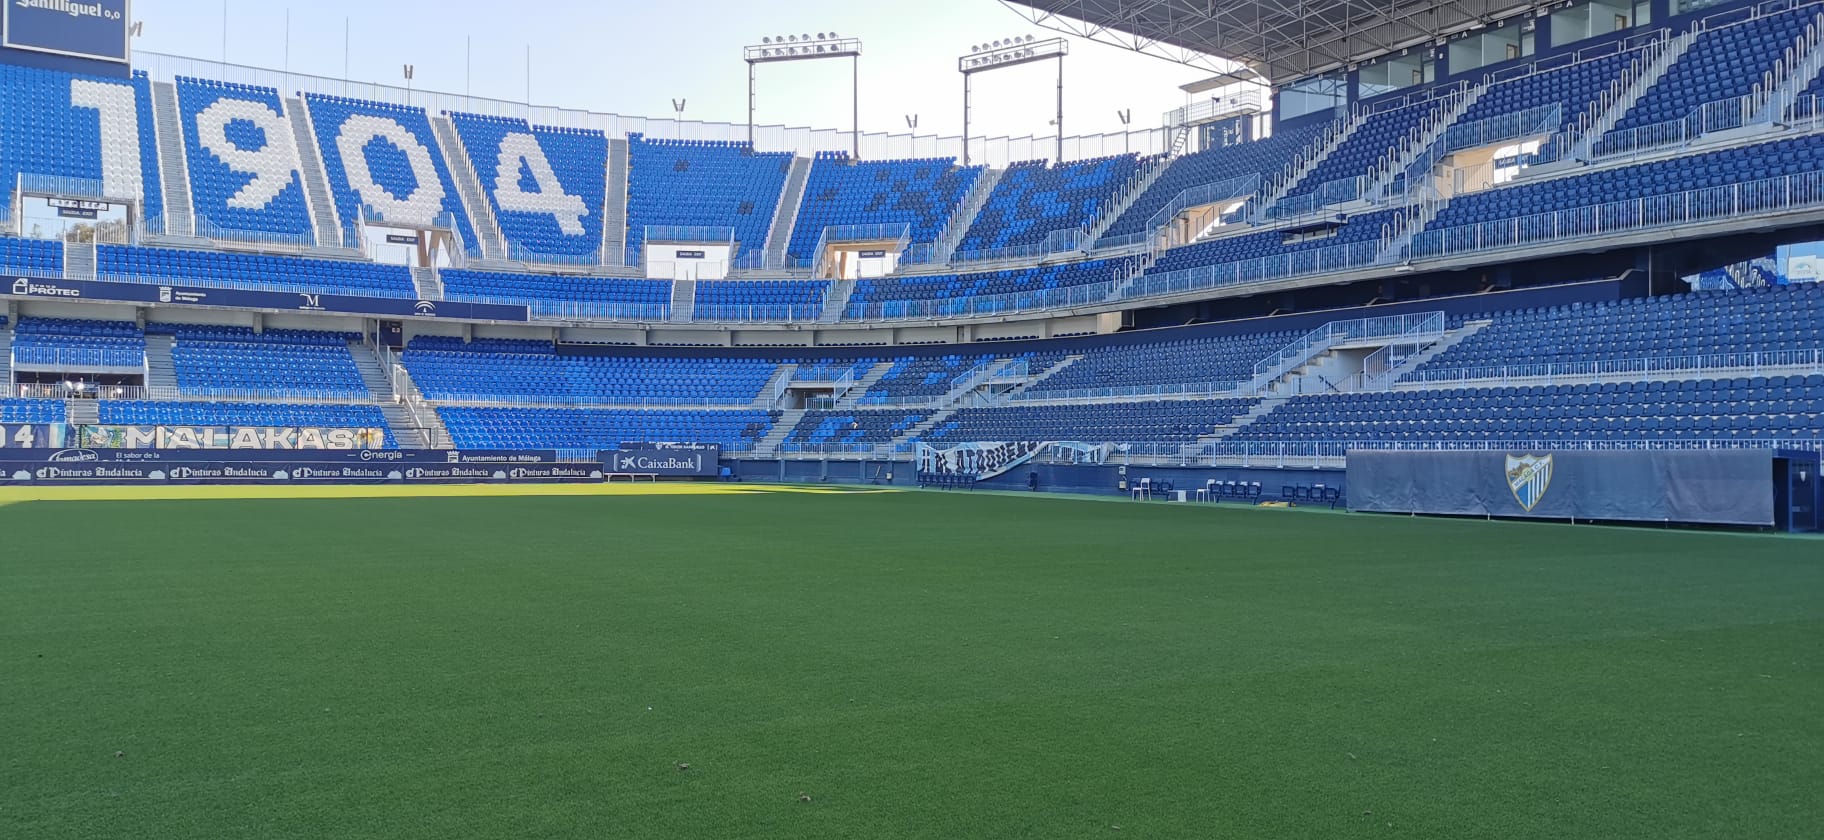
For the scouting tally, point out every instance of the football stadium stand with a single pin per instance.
(673, 183)
(1562, 240)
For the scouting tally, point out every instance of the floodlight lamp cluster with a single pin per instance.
(1001, 51)
(777, 46)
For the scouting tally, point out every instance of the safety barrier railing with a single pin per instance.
(563, 310)
(1747, 364)
(1728, 202)
(753, 314)
(1410, 326)
(1178, 391)
(1326, 194)
(833, 234)
(34, 183)
(1057, 242)
(1226, 190)
(522, 254)
(731, 403)
(1335, 452)
(164, 393)
(707, 234)
(73, 358)
(1710, 117)
(209, 229)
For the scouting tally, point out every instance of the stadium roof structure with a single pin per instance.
(1276, 41)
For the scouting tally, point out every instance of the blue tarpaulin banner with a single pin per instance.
(1715, 486)
(179, 295)
(94, 29)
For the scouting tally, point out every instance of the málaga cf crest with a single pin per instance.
(1529, 476)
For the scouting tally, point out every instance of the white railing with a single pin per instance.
(1411, 326)
(1747, 364)
(1335, 452)
(1729, 202)
(996, 151)
(1707, 118)
(290, 396)
(1179, 391)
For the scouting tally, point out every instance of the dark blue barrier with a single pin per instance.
(1719, 487)
(179, 295)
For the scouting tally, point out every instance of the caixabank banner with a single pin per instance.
(664, 460)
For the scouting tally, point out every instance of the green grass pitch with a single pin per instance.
(918, 665)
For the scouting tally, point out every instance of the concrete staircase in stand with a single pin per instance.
(173, 173)
(161, 370)
(428, 284)
(6, 362)
(785, 216)
(1261, 409)
(316, 179)
(768, 446)
(836, 300)
(407, 432)
(82, 412)
(78, 260)
(614, 221)
(468, 185)
(852, 397)
(683, 300)
(958, 227)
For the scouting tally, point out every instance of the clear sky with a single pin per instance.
(634, 58)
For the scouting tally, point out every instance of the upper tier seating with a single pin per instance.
(243, 161)
(1724, 63)
(1266, 158)
(920, 193)
(33, 257)
(1365, 147)
(597, 429)
(71, 343)
(252, 271)
(249, 415)
(1032, 200)
(1575, 85)
(1764, 320)
(1363, 228)
(563, 294)
(1163, 421)
(1528, 199)
(692, 183)
(936, 295)
(760, 300)
(1749, 408)
(15, 410)
(50, 125)
(523, 371)
(221, 360)
(1215, 362)
(384, 141)
(540, 225)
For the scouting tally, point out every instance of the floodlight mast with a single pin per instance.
(806, 48)
(1011, 52)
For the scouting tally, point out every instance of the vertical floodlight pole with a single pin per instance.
(1011, 52)
(805, 48)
